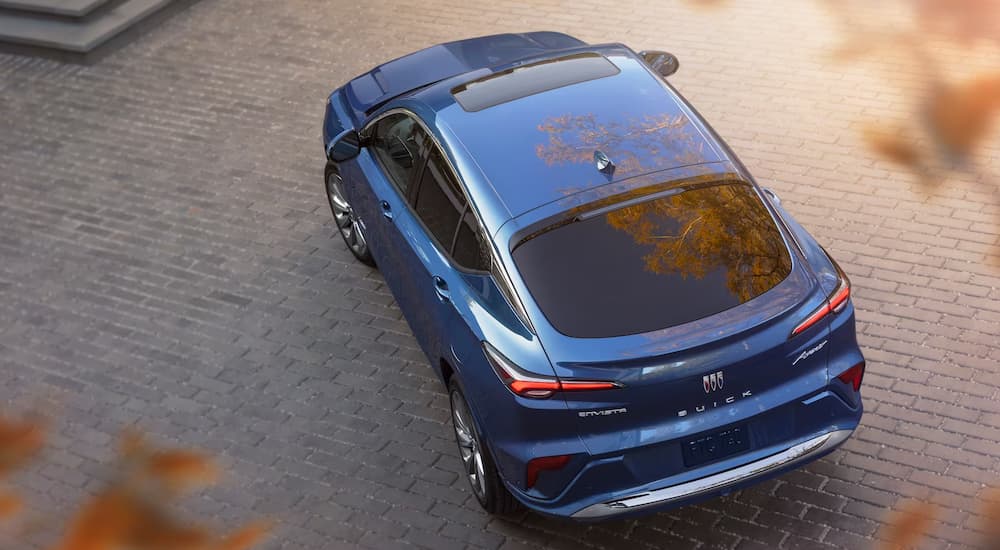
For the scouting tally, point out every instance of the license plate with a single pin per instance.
(714, 446)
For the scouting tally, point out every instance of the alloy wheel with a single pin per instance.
(469, 445)
(347, 221)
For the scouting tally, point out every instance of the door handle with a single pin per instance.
(441, 289)
(386, 209)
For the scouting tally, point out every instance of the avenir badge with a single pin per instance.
(809, 352)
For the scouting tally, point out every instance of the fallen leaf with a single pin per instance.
(961, 20)
(707, 3)
(991, 519)
(907, 525)
(19, 441)
(120, 519)
(892, 146)
(181, 470)
(962, 115)
(10, 504)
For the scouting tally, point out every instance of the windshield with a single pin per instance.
(642, 266)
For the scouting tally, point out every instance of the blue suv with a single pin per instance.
(624, 320)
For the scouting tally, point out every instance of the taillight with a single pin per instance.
(537, 386)
(853, 376)
(835, 303)
(536, 465)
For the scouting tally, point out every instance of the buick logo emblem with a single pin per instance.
(712, 381)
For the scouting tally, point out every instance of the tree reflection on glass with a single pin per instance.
(715, 224)
(633, 144)
(706, 228)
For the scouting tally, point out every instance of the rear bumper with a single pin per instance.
(790, 457)
(633, 480)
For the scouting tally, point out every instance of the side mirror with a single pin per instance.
(665, 64)
(345, 146)
(774, 196)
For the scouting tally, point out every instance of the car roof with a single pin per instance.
(520, 152)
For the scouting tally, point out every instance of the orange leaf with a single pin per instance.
(961, 20)
(707, 3)
(10, 504)
(119, 519)
(181, 469)
(991, 515)
(961, 116)
(19, 441)
(907, 525)
(892, 147)
(104, 523)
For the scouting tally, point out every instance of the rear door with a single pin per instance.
(449, 252)
(399, 152)
(433, 241)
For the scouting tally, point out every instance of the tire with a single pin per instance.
(480, 472)
(348, 224)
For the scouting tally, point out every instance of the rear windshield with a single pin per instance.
(642, 266)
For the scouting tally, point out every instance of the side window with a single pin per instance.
(470, 251)
(440, 201)
(399, 144)
(443, 208)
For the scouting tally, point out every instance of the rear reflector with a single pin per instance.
(537, 386)
(852, 376)
(536, 465)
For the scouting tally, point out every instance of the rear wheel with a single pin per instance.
(477, 464)
(348, 223)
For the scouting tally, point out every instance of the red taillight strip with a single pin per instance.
(840, 296)
(541, 390)
(536, 386)
(836, 302)
(581, 385)
(812, 319)
(530, 388)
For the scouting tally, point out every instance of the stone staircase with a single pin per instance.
(77, 30)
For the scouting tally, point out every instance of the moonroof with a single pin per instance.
(532, 79)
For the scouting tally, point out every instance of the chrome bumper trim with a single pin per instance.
(802, 451)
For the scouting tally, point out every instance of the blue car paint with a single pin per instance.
(617, 454)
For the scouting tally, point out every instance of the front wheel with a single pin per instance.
(477, 464)
(348, 223)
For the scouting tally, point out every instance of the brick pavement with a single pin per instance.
(167, 258)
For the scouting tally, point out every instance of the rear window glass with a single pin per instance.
(532, 79)
(645, 266)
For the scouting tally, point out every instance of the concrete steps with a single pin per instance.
(66, 8)
(75, 30)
